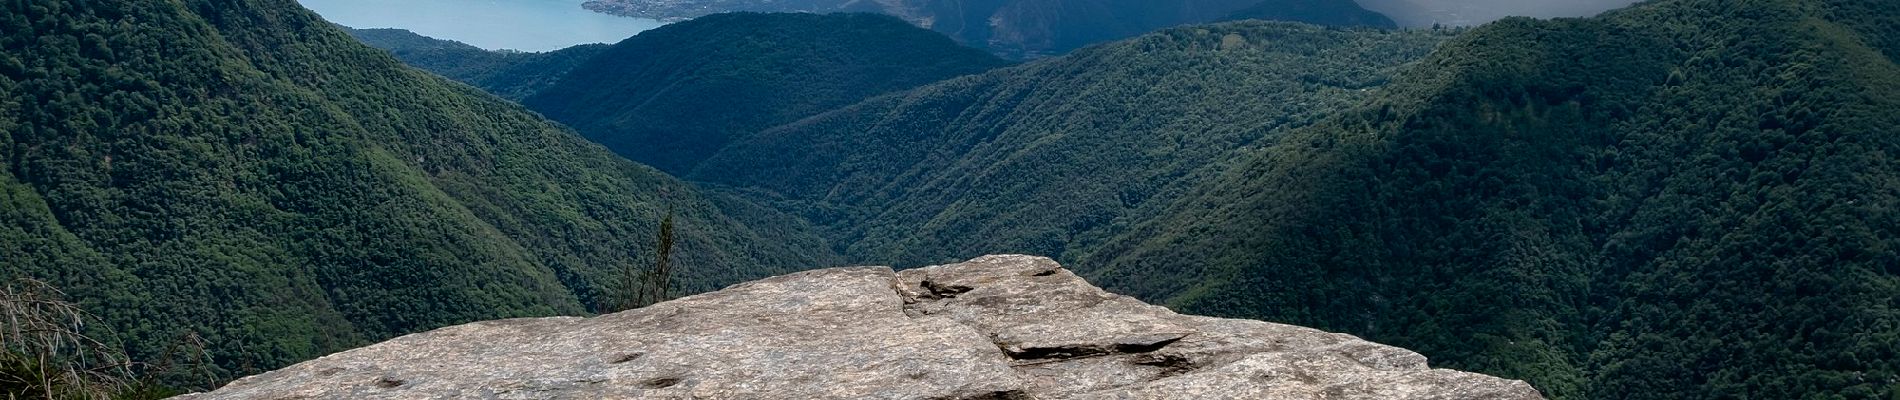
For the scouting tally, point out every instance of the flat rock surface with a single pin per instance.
(997, 327)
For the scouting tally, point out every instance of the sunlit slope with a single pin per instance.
(244, 171)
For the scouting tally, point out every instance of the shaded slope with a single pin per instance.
(511, 75)
(244, 171)
(672, 96)
(1317, 12)
(1051, 156)
(1688, 199)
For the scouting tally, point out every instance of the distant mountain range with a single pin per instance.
(673, 96)
(1425, 13)
(511, 75)
(1026, 28)
(1326, 13)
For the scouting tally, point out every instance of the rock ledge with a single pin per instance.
(997, 327)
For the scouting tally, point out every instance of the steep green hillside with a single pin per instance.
(1691, 199)
(1053, 155)
(244, 171)
(511, 75)
(672, 96)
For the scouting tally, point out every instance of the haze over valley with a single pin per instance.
(525, 25)
(1422, 13)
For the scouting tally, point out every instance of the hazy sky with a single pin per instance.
(529, 25)
(1471, 12)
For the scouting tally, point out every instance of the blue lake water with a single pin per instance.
(527, 25)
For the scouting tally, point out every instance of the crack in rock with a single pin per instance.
(997, 395)
(945, 291)
(1134, 345)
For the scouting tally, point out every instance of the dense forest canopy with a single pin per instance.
(1047, 157)
(1687, 199)
(242, 171)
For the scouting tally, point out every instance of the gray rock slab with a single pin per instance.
(997, 327)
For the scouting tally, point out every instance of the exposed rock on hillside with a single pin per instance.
(998, 327)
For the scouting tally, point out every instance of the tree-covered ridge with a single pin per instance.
(1028, 28)
(1318, 12)
(1052, 156)
(1687, 199)
(396, 40)
(674, 95)
(509, 74)
(243, 171)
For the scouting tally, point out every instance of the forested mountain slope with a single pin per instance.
(1029, 28)
(511, 75)
(1688, 199)
(1054, 155)
(244, 171)
(671, 96)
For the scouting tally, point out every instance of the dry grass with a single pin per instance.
(47, 353)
